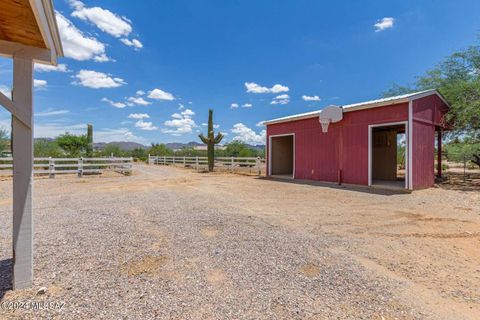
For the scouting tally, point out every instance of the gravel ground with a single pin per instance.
(168, 243)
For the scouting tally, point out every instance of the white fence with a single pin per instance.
(233, 164)
(53, 166)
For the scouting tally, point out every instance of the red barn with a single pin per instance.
(387, 142)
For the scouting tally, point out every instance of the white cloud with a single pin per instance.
(96, 80)
(180, 123)
(255, 88)
(140, 93)
(311, 98)
(247, 105)
(132, 43)
(104, 19)
(181, 106)
(260, 124)
(234, 106)
(51, 112)
(247, 135)
(384, 23)
(78, 46)
(138, 116)
(114, 104)
(281, 99)
(137, 100)
(145, 125)
(40, 84)
(160, 95)
(61, 67)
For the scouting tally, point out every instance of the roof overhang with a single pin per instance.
(363, 106)
(28, 29)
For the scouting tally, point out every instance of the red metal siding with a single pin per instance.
(427, 114)
(319, 156)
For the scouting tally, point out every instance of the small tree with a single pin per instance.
(73, 145)
(3, 140)
(46, 148)
(159, 150)
(211, 140)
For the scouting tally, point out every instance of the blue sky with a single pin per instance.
(147, 71)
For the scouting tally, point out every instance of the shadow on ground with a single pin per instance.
(363, 189)
(6, 276)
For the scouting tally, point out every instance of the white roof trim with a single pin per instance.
(47, 23)
(362, 105)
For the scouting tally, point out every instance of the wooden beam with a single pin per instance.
(22, 147)
(17, 112)
(14, 49)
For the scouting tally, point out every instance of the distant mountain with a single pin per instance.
(124, 145)
(180, 145)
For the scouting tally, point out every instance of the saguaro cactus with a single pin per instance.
(89, 140)
(211, 140)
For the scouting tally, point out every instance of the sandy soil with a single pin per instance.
(422, 248)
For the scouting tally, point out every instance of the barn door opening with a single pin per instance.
(282, 156)
(388, 155)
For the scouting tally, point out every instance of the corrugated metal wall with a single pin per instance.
(320, 156)
(427, 114)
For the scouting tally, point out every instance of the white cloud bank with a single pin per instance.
(97, 80)
(119, 105)
(39, 84)
(180, 123)
(247, 135)
(159, 94)
(384, 23)
(78, 46)
(311, 98)
(104, 19)
(281, 99)
(61, 67)
(252, 87)
(132, 43)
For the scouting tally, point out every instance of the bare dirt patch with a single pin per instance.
(147, 265)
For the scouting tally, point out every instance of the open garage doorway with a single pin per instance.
(282, 156)
(388, 155)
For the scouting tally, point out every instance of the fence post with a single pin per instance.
(258, 165)
(164, 160)
(231, 163)
(80, 167)
(149, 159)
(196, 163)
(184, 164)
(51, 168)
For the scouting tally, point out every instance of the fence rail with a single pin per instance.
(232, 164)
(53, 166)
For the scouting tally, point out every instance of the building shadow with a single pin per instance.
(6, 276)
(350, 187)
(458, 181)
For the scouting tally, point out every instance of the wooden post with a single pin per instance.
(22, 146)
(149, 159)
(51, 168)
(439, 153)
(184, 163)
(196, 163)
(80, 167)
(164, 160)
(231, 164)
(258, 165)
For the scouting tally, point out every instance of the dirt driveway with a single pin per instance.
(169, 243)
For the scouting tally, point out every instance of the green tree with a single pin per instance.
(159, 150)
(74, 146)
(139, 153)
(47, 148)
(112, 148)
(211, 140)
(457, 78)
(3, 140)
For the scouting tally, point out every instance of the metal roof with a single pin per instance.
(362, 105)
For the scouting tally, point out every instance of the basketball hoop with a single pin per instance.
(324, 123)
(329, 114)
